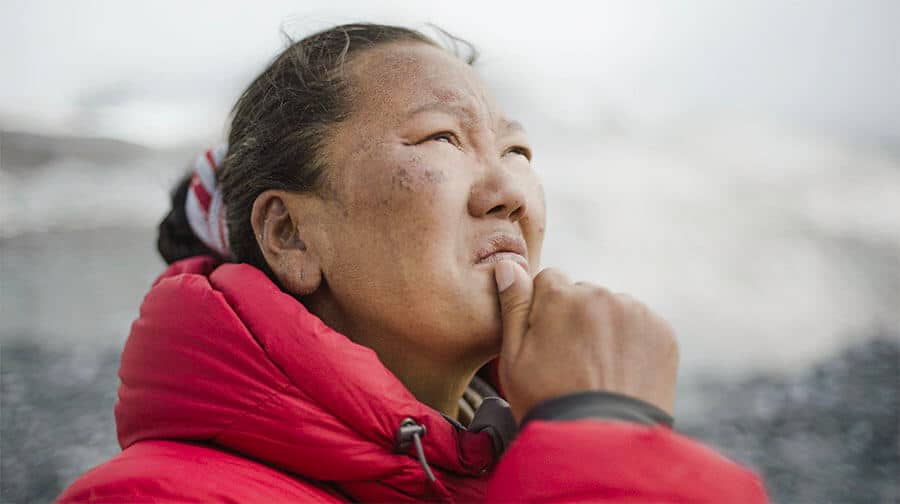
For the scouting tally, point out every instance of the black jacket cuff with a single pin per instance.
(598, 405)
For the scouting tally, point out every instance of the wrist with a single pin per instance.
(597, 404)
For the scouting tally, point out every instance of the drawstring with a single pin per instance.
(410, 431)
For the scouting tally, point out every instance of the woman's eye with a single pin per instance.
(447, 137)
(522, 151)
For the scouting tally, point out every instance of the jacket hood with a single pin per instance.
(220, 355)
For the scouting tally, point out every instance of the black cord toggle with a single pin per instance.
(412, 433)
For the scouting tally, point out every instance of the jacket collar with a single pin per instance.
(220, 354)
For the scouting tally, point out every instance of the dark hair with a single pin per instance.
(176, 240)
(279, 125)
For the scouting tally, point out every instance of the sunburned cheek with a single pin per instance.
(412, 213)
(412, 183)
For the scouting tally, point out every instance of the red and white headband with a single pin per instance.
(204, 207)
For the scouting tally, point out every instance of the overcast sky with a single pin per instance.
(166, 72)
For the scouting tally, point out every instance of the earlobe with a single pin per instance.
(278, 227)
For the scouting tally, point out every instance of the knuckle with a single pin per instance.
(627, 299)
(543, 275)
(550, 276)
(631, 303)
(634, 309)
(595, 298)
(617, 311)
(595, 307)
(549, 286)
(600, 293)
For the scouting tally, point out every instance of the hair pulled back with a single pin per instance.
(279, 126)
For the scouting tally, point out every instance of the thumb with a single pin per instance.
(514, 288)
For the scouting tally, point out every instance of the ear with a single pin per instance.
(277, 224)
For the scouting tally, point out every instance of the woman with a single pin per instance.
(370, 240)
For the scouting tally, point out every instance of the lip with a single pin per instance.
(497, 247)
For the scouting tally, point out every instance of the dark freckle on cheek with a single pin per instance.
(413, 177)
(344, 210)
(402, 180)
(435, 176)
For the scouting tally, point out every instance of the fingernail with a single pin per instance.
(504, 275)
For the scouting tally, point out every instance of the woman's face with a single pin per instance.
(431, 185)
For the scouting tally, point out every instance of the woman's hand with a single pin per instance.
(560, 337)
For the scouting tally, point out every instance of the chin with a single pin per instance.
(486, 335)
(475, 326)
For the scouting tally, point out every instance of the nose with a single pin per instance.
(498, 194)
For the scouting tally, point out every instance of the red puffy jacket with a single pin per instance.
(232, 391)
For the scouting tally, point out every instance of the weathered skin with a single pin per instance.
(424, 173)
(390, 257)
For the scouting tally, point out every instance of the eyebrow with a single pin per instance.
(463, 111)
(513, 126)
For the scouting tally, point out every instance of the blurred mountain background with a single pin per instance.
(735, 165)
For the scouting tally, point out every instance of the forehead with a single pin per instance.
(399, 78)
